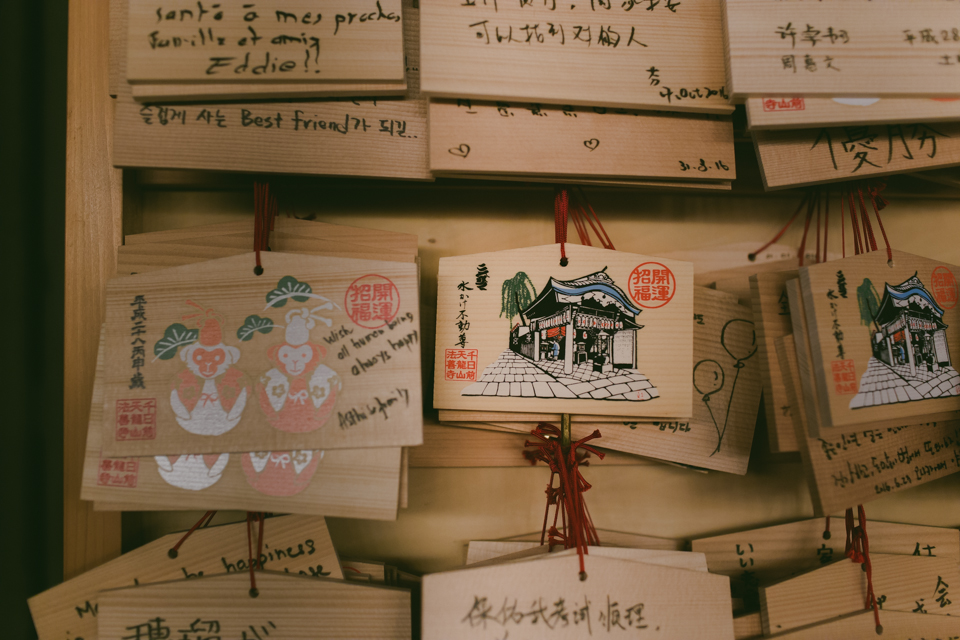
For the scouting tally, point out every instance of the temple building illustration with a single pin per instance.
(911, 357)
(577, 339)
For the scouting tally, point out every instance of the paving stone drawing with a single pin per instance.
(911, 359)
(576, 339)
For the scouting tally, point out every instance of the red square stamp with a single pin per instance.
(460, 364)
(844, 377)
(783, 104)
(137, 419)
(118, 472)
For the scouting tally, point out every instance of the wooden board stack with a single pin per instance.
(304, 466)
(798, 581)
(204, 585)
(181, 126)
(841, 91)
(625, 590)
(723, 365)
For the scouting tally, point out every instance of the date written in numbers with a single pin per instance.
(704, 166)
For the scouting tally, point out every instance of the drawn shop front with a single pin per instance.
(584, 321)
(911, 331)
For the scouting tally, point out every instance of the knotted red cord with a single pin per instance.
(826, 529)
(806, 230)
(174, 550)
(577, 530)
(867, 226)
(265, 210)
(858, 550)
(251, 517)
(561, 202)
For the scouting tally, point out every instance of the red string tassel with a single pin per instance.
(561, 202)
(567, 498)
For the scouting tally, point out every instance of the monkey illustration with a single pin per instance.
(209, 396)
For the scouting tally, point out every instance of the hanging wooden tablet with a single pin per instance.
(762, 556)
(365, 312)
(901, 583)
(384, 138)
(883, 337)
(896, 624)
(808, 395)
(354, 483)
(794, 112)
(726, 378)
(845, 468)
(290, 607)
(798, 157)
(840, 48)
(329, 40)
(619, 598)
(547, 140)
(297, 544)
(610, 333)
(225, 90)
(771, 314)
(576, 53)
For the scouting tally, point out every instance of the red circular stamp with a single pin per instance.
(372, 301)
(652, 285)
(944, 287)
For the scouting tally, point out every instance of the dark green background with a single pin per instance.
(33, 88)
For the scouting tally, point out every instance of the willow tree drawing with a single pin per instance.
(869, 301)
(516, 294)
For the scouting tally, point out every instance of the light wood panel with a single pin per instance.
(580, 53)
(804, 112)
(835, 48)
(547, 140)
(329, 40)
(799, 157)
(93, 230)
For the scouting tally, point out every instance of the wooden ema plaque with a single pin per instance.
(900, 583)
(536, 140)
(295, 544)
(294, 41)
(576, 52)
(901, 48)
(345, 137)
(288, 607)
(611, 333)
(846, 468)
(884, 338)
(482, 550)
(352, 483)
(727, 387)
(801, 157)
(896, 624)
(182, 387)
(620, 598)
(768, 554)
(194, 91)
(796, 112)
(771, 314)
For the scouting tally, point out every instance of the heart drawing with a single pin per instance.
(463, 150)
(591, 144)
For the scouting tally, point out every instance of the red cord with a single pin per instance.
(874, 192)
(867, 226)
(826, 529)
(561, 201)
(265, 209)
(208, 516)
(567, 498)
(858, 550)
(602, 235)
(253, 578)
(843, 230)
(857, 244)
(753, 256)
